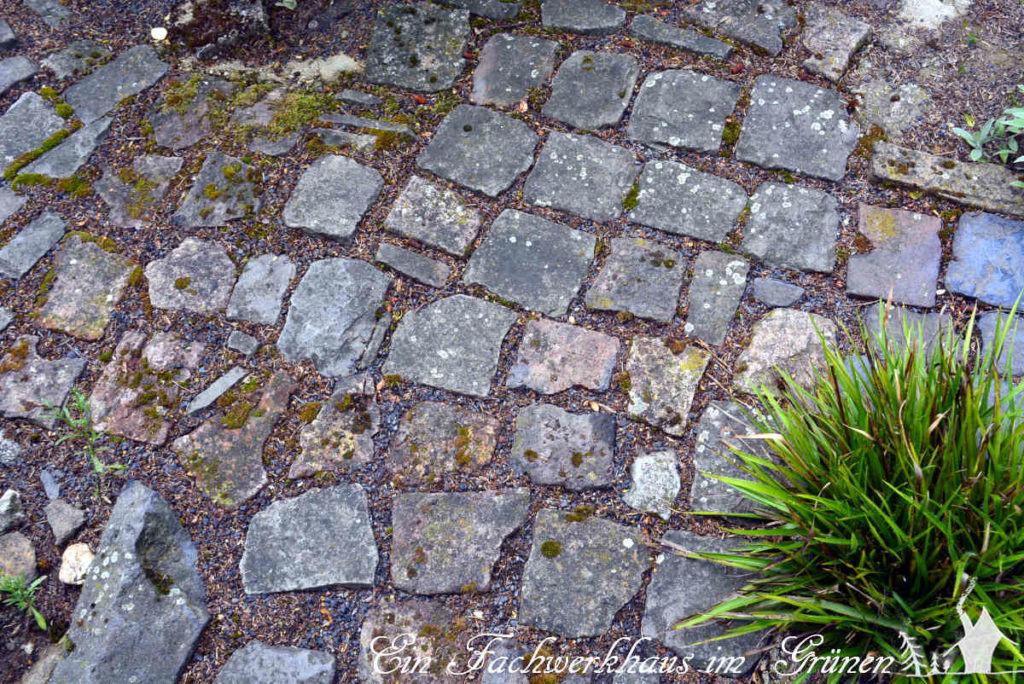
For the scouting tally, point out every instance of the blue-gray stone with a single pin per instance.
(10, 202)
(132, 72)
(509, 66)
(30, 244)
(651, 30)
(65, 159)
(776, 292)
(25, 125)
(683, 108)
(258, 663)
(413, 264)
(15, 69)
(592, 89)
(243, 343)
(1013, 342)
(988, 259)
(216, 390)
(582, 16)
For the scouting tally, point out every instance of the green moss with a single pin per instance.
(530, 455)
(732, 131)
(182, 283)
(298, 110)
(309, 412)
(580, 514)
(106, 356)
(48, 94)
(136, 276)
(47, 282)
(179, 96)
(236, 417)
(392, 380)
(25, 180)
(231, 170)
(550, 549)
(632, 198)
(577, 459)
(624, 382)
(64, 110)
(75, 185)
(211, 192)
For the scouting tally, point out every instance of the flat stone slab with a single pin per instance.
(555, 356)
(142, 384)
(77, 58)
(88, 284)
(7, 37)
(225, 190)
(988, 259)
(649, 29)
(25, 125)
(52, 12)
(451, 344)
(572, 450)
(346, 292)
(639, 277)
(258, 663)
(225, 453)
(534, 262)
(417, 47)
(341, 435)
(434, 215)
(581, 175)
(67, 158)
(684, 109)
(784, 340)
(719, 281)
(925, 330)
(509, 66)
(447, 543)
(492, 9)
(582, 16)
(358, 98)
(129, 74)
(321, 538)
(64, 520)
(6, 318)
(832, 37)
(17, 556)
(580, 574)
(791, 226)
(243, 343)
(592, 89)
(368, 123)
(655, 483)
(197, 275)
(436, 441)
(10, 203)
(215, 390)
(894, 108)
(28, 381)
(753, 22)
(663, 378)
(1013, 343)
(413, 264)
(31, 243)
(905, 261)
(982, 185)
(722, 427)
(258, 294)
(797, 126)
(180, 125)
(14, 70)
(776, 292)
(479, 149)
(332, 196)
(681, 200)
(132, 192)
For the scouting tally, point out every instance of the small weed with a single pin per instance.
(76, 416)
(19, 593)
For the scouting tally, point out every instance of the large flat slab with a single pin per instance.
(592, 89)
(132, 72)
(793, 227)
(417, 46)
(988, 259)
(683, 108)
(332, 196)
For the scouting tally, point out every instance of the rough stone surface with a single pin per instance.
(417, 47)
(143, 605)
(180, 126)
(28, 381)
(1013, 344)
(78, 57)
(640, 277)
(655, 483)
(25, 125)
(17, 556)
(224, 190)
(683, 108)
(33, 241)
(592, 89)
(341, 435)
(6, 318)
(797, 126)
(14, 70)
(332, 196)
(225, 453)
(834, 36)
(319, 539)
(10, 450)
(786, 340)
(582, 16)
(68, 157)
(555, 447)
(754, 22)
(7, 37)
(534, 262)
(581, 175)
(480, 149)
(10, 203)
(509, 66)
(260, 289)
(906, 257)
(776, 292)
(132, 72)
(719, 281)
(894, 109)
(243, 343)
(369, 123)
(662, 381)
(926, 330)
(413, 264)
(492, 9)
(451, 344)
(132, 202)
(651, 30)
(258, 663)
(577, 591)
(433, 215)
(555, 356)
(988, 259)
(11, 514)
(358, 98)
(447, 543)
(195, 276)
(64, 519)
(50, 486)
(74, 564)
(436, 441)
(215, 390)
(333, 313)
(722, 426)
(792, 227)
(440, 636)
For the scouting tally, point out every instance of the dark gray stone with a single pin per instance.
(904, 327)
(17, 556)
(722, 427)
(988, 259)
(14, 70)
(651, 30)
(480, 149)
(663, 379)
(509, 66)
(208, 26)
(319, 539)
(286, 143)
(433, 215)
(10, 203)
(77, 58)
(582, 175)
(719, 281)
(776, 292)
(30, 244)
(754, 22)
(346, 292)
(341, 435)
(452, 344)
(260, 289)
(367, 123)
(492, 9)
(679, 199)
(418, 47)
(797, 126)
(832, 37)
(64, 519)
(589, 571)
(132, 72)
(11, 513)
(640, 277)
(655, 483)
(447, 543)
(7, 37)
(224, 190)
(683, 108)
(215, 390)
(582, 16)
(143, 605)
(572, 450)
(243, 343)
(437, 441)
(534, 262)
(358, 98)
(132, 193)
(1013, 343)
(68, 157)
(26, 124)
(50, 486)
(592, 89)
(792, 227)
(417, 266)
(182, 125)
(53, 12)
(195, 276)
(555, 356)
(258, 663)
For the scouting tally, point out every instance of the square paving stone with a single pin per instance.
(30, 245)
(679, 199)
(479, 149)
(413, 264)
(572, 450)
(332, 196)
(592, 89)
(905, 261)
(832, 37)
(754, 22)
(797, 126)
(555, 356)
(776, 292)
(904, 327)
(341, 435)
(7, 37)
(417, 46)
(181, 125)
(436, 442)
(53, 12)
(662, 379)
(581, 175)
(509, 66)
(25, 125)
(65, 159)
(639, 277)
(197, 275)
(792, 227)
(132, 72)
(683, 109)
(225, 190)
(451, 344)
(434, 215)
(719, 281)
(10, 203)
(260, 289)
(652, 30)
(988, 259)
(534, 262)
(582, 16)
